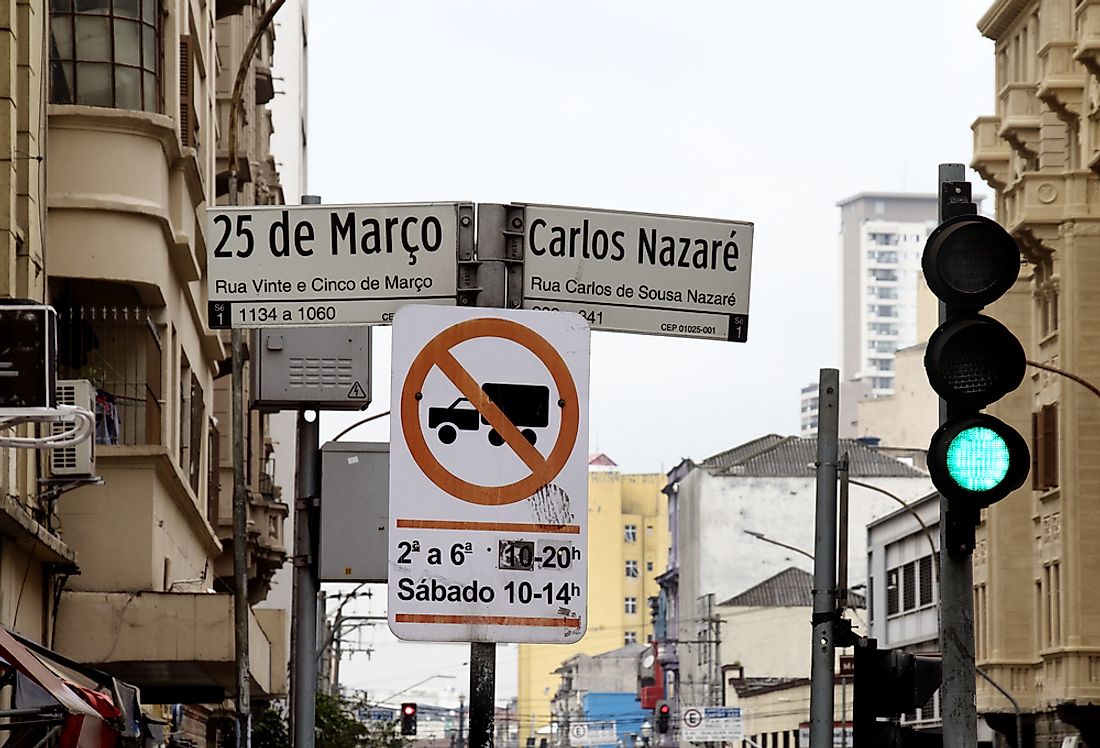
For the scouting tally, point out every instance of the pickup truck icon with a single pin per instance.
(527, 406)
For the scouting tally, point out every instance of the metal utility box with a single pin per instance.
(323, 367)
(355, 496)
(28, 354)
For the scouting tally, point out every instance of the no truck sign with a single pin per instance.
(488, 476)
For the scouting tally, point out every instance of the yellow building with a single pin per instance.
(628, 544)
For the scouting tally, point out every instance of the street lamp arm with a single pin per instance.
(392, 696)
(1083, 382)
(766, 539)
(905, 505)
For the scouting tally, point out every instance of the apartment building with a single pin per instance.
(1039, 150)
(117, 113)
(628, 547)
(882, 236)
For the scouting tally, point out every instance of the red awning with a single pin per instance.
(85, 725)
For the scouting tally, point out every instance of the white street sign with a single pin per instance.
(593, 733)
(282, 266)
(638, 272)
(488, 528)
(702, 724)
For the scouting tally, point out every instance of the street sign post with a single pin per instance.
(702, 724)
(488, 476)
(301, 265)
(639, 272)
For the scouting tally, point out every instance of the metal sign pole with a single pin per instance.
(492, 276)
(303, 661)
(825, 553)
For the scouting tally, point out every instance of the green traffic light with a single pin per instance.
(978, 459)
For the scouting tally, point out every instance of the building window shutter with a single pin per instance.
(1036, 450)
(1049, 422)
(187, 108)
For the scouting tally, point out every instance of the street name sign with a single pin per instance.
(488, 507)
(639, 272)
(283, 266)
(702, 724)
(593, 733)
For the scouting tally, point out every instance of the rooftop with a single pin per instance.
(778, 456)
(790, 588)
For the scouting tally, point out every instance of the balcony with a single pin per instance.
(1062, 81)
(1020, 119)
(118, 349)
(176, 647)
(992, 154)
(1087, 51)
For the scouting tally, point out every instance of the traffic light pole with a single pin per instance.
(958, 691)
(822, 667)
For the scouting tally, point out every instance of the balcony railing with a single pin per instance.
(119, 350)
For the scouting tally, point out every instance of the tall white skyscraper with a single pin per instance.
(882, 236)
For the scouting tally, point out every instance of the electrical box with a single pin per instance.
(28, 354)
(79, 459)
(355, 511)
(327, 368)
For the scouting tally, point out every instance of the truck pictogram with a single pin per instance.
(527, 406)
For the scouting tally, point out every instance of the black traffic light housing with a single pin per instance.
(662, 712)
(408, 718)
(972, 360)
(888, 684)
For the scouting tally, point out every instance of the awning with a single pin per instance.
(56, 696)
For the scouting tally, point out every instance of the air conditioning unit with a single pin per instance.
(79, 459)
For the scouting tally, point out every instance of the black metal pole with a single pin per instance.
(483, 658)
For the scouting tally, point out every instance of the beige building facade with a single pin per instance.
(1037, 621)
(115, 117)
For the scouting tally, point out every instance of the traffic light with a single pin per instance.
(662, 711)
(888, 684)
(28, 352)
(972, 360)
(408, 718)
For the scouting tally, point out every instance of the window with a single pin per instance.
(632, 568)
(105, 53)
(213, 471)
(892, 597)
(1046, 297)
(649, 566)
(630, 637)
(630, 533)
(926, 572)
(909, 586)
(631, 605)
(1044, 448)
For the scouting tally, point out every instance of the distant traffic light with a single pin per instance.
(972, 360)
(408, 718)
(888, 684)
(662, 711)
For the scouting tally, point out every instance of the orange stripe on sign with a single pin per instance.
(490, 620)
(446, 524)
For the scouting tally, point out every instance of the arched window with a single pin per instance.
(106, 53)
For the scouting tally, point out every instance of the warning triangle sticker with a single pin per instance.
(356, 392)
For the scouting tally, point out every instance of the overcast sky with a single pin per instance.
(764, 112)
